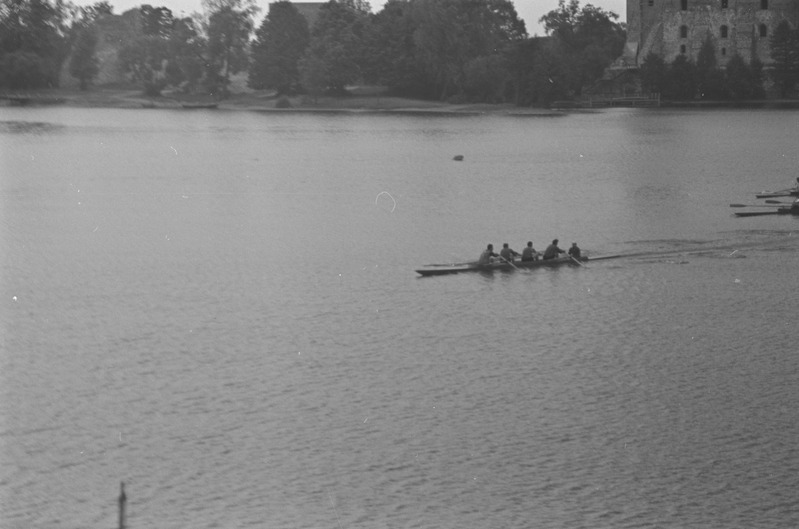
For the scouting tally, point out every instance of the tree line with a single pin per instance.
(685, 79)
(453, 50)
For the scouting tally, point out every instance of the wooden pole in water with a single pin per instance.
(123, 499)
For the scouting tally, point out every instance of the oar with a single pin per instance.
(576, 260)
(773, 195)
(751, 206)
(777, 202)
(756, 213)
(510, 263)
(452, 264)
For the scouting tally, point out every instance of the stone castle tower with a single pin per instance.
(674, 27)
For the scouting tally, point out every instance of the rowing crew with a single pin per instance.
(506, 254)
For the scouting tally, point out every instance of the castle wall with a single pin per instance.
(680, 27)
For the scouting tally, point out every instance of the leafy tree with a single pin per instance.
(334, 52)
(23, 70)
(144, 58)
(313, 75)
(545, 77)
(785, 54)
(450, 34)
(562, 22)
(654, 73)
(588, 38)
(737, 78)
(391, 54)
(228, 27)
(756, 78)
(102, 8)
(682, 79)
(486, 79)
(741, 79)
(83, 64)
(32, 42)
(185, 47)
(709, 79)
(156, 21)
(279, 45)
(83, 39)
(165, 51)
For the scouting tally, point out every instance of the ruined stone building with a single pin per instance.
(673, 27)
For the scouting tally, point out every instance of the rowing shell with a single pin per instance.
(437, 270)
(792, 210)
(793, 192)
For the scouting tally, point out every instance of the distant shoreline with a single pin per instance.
(360, 101)
(131, 98)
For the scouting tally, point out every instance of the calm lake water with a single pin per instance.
(220, 309)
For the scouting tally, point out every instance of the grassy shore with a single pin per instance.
(365, 99)
(359, 99)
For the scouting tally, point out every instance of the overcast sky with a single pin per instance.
(529, 10)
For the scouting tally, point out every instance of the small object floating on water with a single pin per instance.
(458, 158)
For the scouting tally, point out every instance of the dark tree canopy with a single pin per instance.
(280, 43)
(588, 40)
(455, 50)
(84, 64)
(785, 54)
(682, 79)
(185, 49)
(33, 43)
(334, 55)
(228, 29)
(442, 48)
(654, 73)
(390, 52)
(156, 21)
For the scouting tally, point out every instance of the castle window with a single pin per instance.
(683, 32)
(724, 32)
(763, 4)
(684, 5)
(723, 51)
(763, 30)
(651, 3)
(682, 49)
(724, 4)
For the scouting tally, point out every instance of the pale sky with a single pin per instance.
(529, 10)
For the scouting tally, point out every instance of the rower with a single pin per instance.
(552, 250)
(508, 254)
(529, 253)
(488, 253)
(574, 251)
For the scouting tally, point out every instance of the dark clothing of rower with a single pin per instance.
(507, 254)
(529, 253)
(574, 251)
(487, 254)
(552, 251)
